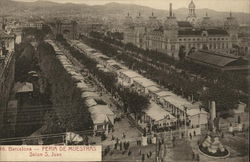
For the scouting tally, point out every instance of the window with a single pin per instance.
(180, 39)
(194, 39)
(189, 39)
(172, 47)
(222, 38)
(184, 39)
(218, 38)
(198, 39)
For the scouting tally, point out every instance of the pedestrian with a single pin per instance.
(193, 156)
(128, 144)
(120, 145)
(139, 151)
(116, 145)
(150, 153)
(129, 153)
(147, 155)
(194, 133)
(222, 135)
(182, 135)
(112, 138)
(190, 135)
(123, 135)
(125, 145)
(142, 157)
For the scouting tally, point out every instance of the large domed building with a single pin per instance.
(173, 35)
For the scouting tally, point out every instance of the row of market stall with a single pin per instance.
(101, 114)
(168, 108)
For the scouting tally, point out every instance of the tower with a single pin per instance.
(153, 23)
(231, 26)
(191, 13)
(140, 31)
(170, 28)
(128, 22)
(206, 22)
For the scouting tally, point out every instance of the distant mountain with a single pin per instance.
(113, 9)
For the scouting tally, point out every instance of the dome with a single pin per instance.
(170, 23)
(191, 4)
(207, 22)
(153, 22)
(139, 21)
(128, 21)
(231, 22)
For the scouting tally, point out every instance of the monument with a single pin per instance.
(211, 145)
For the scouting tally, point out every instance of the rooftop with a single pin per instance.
(131, 74)
(184, 24)
(216, 60)
(100, 113)
(198, 32)
(157, 113)
(144, 82)
(178, 101)
(23, 87)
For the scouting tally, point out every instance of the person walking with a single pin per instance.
(123, 135)
(190, 135)
(129, 153)
(142, 157)
(193, 156)
(121, 146)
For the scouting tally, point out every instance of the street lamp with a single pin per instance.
(185, 118)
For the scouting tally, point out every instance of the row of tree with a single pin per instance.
(131, 100)
(71, 113)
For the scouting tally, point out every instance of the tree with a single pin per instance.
(182, 52)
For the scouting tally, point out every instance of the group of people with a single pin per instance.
(119, 144)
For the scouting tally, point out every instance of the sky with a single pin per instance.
(218, 5)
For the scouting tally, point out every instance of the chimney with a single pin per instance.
(170, 10)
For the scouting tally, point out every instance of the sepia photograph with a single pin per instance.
(124, 80)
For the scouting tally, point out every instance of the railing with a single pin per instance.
(6, 61)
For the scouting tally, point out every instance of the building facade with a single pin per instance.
(174, 37)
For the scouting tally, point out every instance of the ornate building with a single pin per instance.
(173, 35)
(192, 15)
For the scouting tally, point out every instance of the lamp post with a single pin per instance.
(185, 118)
